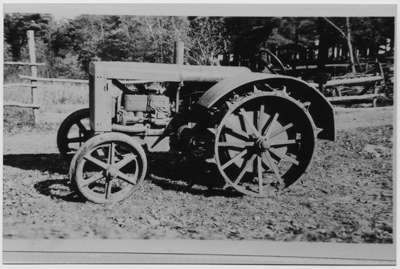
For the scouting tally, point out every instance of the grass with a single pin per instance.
(53, 97)
(57, 101)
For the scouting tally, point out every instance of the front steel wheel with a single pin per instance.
(264, 142)
(108, 168)
(73, 132)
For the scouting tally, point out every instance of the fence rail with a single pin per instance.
(19, 104)
(23, 63)
(55, 80)
(20, 85)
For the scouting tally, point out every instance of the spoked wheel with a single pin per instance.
(278, 67)
(108, 168)
(73, 132)
(264, 142)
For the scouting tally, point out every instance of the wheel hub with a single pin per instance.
(112, 171)
(263, 143)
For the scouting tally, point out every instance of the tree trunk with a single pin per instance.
(353, 67)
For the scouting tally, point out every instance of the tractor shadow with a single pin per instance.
(46, 163)
(171, 171)
(58, 189)
(53, 167)
(166, 170)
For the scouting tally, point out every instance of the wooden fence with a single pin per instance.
(35, 105)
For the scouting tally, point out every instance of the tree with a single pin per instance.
(7, 54)
(369, 33)
(248, 34)
(300, 30)
(89, 32)
(67, 47)
(9, 70)
(122, 38)
(207, 38)
(16, 26)
(160, 34)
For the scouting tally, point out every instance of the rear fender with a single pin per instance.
(319, 108)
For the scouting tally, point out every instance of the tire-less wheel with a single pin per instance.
(265, 141)
(108, 168)
(278, 68)
(73, 132)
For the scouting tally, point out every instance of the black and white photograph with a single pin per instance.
(199, 134)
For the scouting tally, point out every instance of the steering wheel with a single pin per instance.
(272, 68)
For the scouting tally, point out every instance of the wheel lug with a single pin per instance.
(263, 143)
(112, 171)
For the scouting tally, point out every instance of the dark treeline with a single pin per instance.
(68, 46)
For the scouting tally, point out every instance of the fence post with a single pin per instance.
(32, 58)
(179, 51)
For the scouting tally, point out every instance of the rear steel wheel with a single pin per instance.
(73, 132)
(264, 142)
(108, 168)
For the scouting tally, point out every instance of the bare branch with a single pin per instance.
(150, 28)
(340, 30)
(348, 37)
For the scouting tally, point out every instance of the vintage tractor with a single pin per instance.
(258, 130)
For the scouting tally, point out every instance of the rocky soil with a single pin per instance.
(346, 197)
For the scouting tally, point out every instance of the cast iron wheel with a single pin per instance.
(264, 142)
(281, 68)
(73, 132)
(108, 168)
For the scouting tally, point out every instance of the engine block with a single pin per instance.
(146, 103)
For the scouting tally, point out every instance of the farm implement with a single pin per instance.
(369, 82)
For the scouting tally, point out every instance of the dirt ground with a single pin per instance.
(346, 197)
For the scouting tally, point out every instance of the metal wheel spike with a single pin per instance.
(212, 130)
(228, 104)
(307, 105)
(227, 185)
(318, 130)
(211, 160)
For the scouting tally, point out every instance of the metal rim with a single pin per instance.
(73, 132)
(265, 141)
(280, 64)
(109, 168)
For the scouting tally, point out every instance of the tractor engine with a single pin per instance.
(149, 110)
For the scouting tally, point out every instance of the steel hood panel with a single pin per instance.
(164, 72)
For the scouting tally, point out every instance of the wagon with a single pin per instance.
(259, 131)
